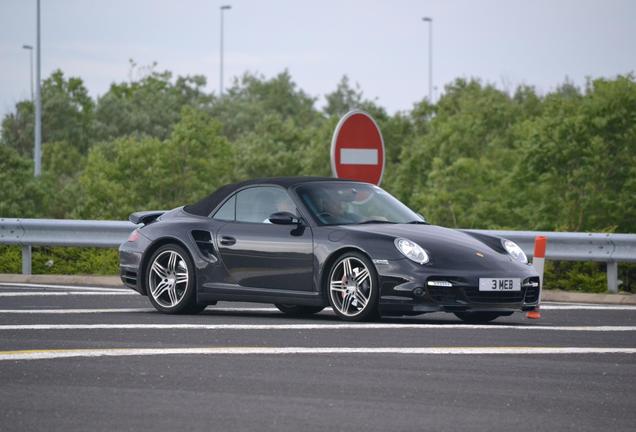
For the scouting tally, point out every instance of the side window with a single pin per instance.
(227, 211)
(258, 203)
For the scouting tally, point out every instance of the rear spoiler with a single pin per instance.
(145, 217)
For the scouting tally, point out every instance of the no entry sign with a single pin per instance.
(357, 149)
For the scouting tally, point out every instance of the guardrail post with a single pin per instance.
(612, 277)
(26, 259)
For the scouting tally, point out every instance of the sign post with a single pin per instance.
(357, 149)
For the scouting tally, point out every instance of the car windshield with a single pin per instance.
(346, 203)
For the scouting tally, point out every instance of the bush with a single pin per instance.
(584, 276)
(61, 260)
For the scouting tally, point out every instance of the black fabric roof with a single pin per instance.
(205, 206)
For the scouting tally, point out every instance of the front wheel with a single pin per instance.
(353, 288)
(170, 281)
(298, 310)
(479, 317)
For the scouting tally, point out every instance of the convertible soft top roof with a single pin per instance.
(205, 206)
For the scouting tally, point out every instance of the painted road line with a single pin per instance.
(75, 311)
(224, 309)
(119, 352)
(587, 307)
(64, 293)
(211, 309)
(347, 326)
(252, 310)
(543, 307)
(124, 310)
(109, 290)
(66, 287)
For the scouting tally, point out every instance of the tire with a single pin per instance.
(352, 291)
(171, 282)
(478, 317)
(297, 310)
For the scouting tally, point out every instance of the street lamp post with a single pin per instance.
(430, 57)
(223, 9)
(30, 48)
(37, 152)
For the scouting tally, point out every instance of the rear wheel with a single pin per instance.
(353, 288)
(170, 281)
(479, 317)
(298, 310)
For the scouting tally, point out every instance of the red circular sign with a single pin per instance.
(357, 149)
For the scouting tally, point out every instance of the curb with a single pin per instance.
(115, 281)
(100, 281)
(579, 297)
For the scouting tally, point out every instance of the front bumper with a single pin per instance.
(405, 290)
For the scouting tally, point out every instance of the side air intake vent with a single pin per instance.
(204, 243)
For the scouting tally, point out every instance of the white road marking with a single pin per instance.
(339, 326)
(118, 352)
(75, 311)
(66, 287)
(249, 309)
(64, 293)
(126, 310)
(543, 307)
(242, 309)
(75, 289)
(587, 307)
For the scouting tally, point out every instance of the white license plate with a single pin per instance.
(499, 284)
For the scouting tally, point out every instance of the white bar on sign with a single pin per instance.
(355, 156)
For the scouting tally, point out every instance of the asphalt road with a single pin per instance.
(93, 359)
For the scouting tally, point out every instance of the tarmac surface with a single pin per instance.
(88, 358)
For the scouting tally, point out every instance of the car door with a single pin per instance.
(258, 254)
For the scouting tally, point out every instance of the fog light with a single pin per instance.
(439, 283)
(418, 292)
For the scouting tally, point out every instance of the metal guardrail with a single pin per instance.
(562, 246)
(62, 232)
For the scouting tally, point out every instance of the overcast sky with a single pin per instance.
(381, 44)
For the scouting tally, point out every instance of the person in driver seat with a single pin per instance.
(334, 210)
(282, 204)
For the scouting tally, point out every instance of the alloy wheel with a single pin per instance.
(350, 286)
(168, 278)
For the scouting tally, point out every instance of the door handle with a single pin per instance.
(228, 241)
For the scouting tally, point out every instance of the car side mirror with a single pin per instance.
(284, 218)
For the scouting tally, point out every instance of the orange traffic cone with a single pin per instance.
(538, 261)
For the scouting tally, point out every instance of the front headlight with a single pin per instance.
(411, 250)
(515, 251)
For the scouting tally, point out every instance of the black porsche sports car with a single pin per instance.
(305, 243)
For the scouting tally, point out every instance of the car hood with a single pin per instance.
(447, 248)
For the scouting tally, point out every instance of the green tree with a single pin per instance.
(67, 115)
(137, 173)
(580, 158)
(344, 98)
(253, 97)
(21, 194)
(150, 105)
(276, 147)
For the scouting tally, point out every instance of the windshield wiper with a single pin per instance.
(370, 221)
(418, 222)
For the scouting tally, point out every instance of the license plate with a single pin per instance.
(499, 284)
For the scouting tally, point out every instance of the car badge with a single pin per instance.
(479, 254)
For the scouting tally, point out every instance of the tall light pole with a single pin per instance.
(37, 152)
(30, 48)
(430, 57)
(223, 9)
